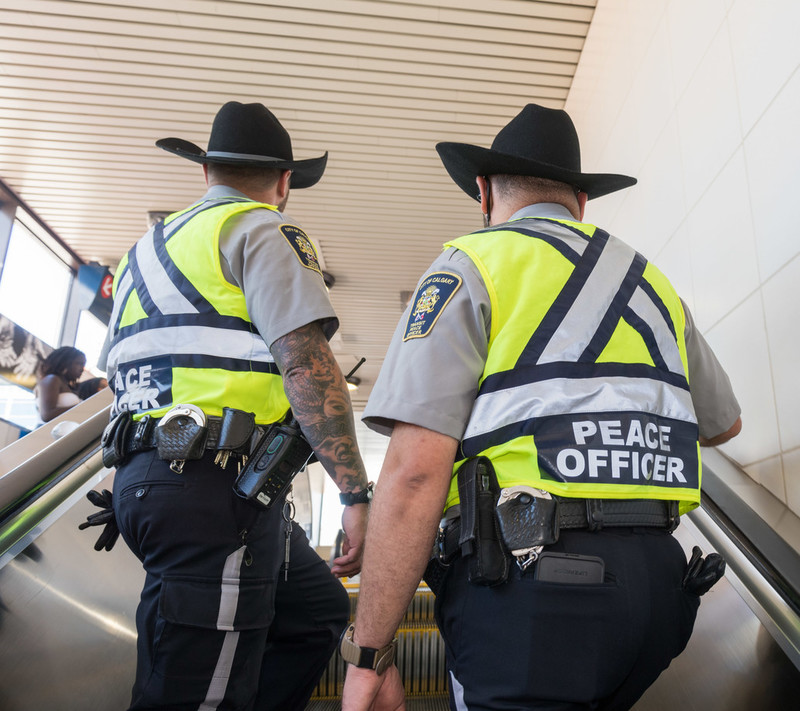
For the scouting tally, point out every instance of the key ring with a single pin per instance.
(288, 511)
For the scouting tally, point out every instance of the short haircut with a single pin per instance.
(248, 175)
(544, 189)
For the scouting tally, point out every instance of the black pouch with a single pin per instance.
(528, 518)
(236, 430)
(113, 439)
(480, 539)
(181, 438)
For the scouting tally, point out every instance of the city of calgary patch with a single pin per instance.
(302, 247)
(433, 295)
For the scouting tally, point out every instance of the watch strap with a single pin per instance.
(366, 657)
(350, 498)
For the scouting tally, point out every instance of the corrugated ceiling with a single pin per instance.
(87, 87)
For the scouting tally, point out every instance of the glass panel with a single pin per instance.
(90, 338)
(18, 405)
(34, 286)
(373, 448)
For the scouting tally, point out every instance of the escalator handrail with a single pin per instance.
(769, 605)
(33, 458)
(25, 524)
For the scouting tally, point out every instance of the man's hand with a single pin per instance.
(364, 690)
(406, 510)
(354, 523)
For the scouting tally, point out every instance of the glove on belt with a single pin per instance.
(702, 573)
(104, 517)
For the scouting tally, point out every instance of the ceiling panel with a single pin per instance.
(87, 87)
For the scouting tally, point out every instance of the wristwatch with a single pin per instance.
(366, 657)
(357, 497)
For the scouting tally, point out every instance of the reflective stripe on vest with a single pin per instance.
(182, 332)
(584, 391)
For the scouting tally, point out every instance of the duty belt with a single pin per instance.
(142, 435)
(590, 514)
(183, 433)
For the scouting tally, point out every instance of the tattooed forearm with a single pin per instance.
(318, 395)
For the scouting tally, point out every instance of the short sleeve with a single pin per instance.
(437, 354)
(274, 263)
(715, 404)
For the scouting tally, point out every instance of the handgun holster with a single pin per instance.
(480, 539)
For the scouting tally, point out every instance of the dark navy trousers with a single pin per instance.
(218, 627)
(528, 644)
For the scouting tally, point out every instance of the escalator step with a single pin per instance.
(420, 659)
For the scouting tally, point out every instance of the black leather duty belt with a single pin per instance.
(595, 514)
(142, 435)
(589, 514)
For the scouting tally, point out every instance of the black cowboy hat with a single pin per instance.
(539, 142)
(249, 134)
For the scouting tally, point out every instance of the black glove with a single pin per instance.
(702, 573)
(105, 517)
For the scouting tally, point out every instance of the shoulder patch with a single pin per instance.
(303, 247)
(433, 294)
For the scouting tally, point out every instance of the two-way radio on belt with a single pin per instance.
(279, 455)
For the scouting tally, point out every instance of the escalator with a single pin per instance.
(67, 629)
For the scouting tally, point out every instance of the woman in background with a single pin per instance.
(57, 389)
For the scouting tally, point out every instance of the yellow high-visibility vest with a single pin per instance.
(585, 390)
(182, 333)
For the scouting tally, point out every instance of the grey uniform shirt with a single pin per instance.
(281, 293)
(432, 381)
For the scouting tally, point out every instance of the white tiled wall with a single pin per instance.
(700, 99)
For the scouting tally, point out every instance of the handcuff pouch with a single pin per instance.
(181, 438)
(528, 517)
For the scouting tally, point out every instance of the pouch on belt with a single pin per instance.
(181, 435)
(480, 539)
